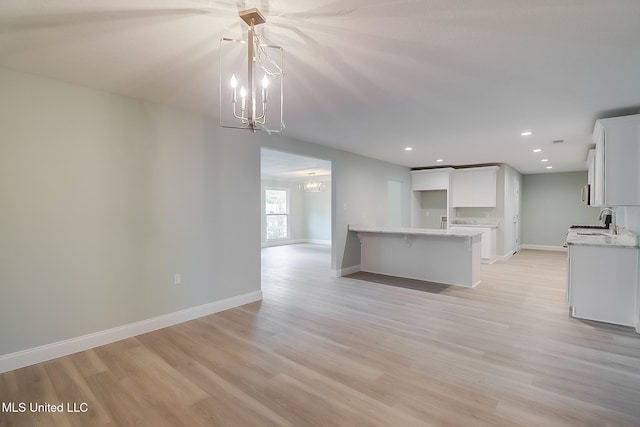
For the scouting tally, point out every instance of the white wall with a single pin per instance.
(317, 216)
(104, 198)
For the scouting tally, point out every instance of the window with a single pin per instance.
(276, 203)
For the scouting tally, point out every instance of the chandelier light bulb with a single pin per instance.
(234, 81)
(265, 84)
(243, 95)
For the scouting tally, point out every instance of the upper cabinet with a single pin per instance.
(591, 176)
(616, 175)
(474, 187)
(430, 179)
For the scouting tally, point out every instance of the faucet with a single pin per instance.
(606, 215)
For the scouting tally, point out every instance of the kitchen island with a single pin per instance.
(433, 255)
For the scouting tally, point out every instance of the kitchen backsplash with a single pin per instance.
(476, 221)
(476, 212)
(628, 217)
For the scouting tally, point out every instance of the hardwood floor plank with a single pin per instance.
(67, 381)
(359, 351)
(227, 402)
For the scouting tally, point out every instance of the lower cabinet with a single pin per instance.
(488, 241)
(603, 283)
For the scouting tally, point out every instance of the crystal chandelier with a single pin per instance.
(312, 186)
(242, 104)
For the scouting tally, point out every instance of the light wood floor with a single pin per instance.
(319, 351)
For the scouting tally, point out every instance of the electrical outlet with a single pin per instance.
(177, 279)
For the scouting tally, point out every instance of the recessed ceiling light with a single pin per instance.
(549, 167)
(408, 148)
(439, 160)
(537, 150)
(544, 160)
(526, 133)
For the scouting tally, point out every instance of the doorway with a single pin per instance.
(296, 199)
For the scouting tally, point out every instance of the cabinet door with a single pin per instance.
(569, 277)
(617, 176)
(484, 189)
(598, 173)
(621, 156)
(591, 178)
(429, 180)
(462, 189)
(602, 283)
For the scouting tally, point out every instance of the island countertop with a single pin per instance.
(412, 231)
(450, 257)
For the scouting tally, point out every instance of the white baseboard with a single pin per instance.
(319, 242)
(345, 271)
(282, 242)
(544, 248)
(19, 359)
(294, 242)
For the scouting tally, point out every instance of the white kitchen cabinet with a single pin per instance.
(487, 243)
(603, 283)
(430, 179)
(462, 189)
(617, 175)
(591, 176)
(474, 187)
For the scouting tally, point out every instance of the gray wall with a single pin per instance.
(433, 205)
(317, 215)
(104, 198)
(551, 204)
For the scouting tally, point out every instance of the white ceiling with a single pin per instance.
(455, 79)
(292, 167)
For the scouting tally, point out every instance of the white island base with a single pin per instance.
(441, 256)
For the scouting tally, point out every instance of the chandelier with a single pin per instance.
(242, 104)
(312, 186)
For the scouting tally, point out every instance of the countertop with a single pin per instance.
(466, 224)
(412, 231)
(623, 240)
